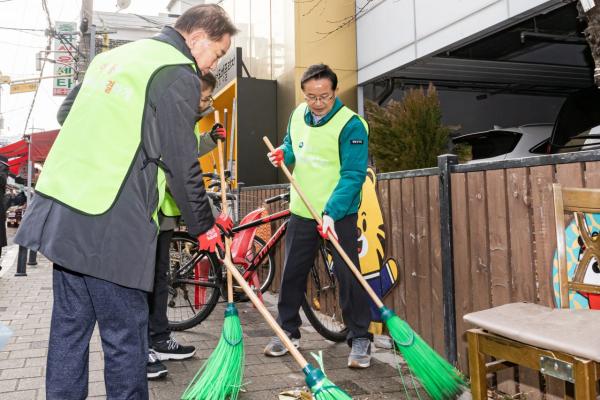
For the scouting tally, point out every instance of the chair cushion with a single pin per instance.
(576, 332)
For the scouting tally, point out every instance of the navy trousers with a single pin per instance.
(122, 315)
(159, 322)
(301, 247)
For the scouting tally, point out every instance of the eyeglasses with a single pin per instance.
(324, 99)
(208, 99)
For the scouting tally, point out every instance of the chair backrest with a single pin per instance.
(577, 201)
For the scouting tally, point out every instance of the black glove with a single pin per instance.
(218, 133)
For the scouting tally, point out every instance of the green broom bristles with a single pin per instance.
(321, 387)
(220, 377)
(440, 379)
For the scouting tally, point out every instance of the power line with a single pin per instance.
(22, 29)
(37, 89)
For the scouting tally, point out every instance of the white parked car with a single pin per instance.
(506, 143)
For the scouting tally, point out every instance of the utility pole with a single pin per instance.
(88, 32)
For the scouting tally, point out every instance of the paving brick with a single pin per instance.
(21, 395)
(8, 385)
(34, 362)
(26, 372)
(30, 353)
(11, 363)
(31, 383)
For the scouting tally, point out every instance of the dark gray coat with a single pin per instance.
(120, 245)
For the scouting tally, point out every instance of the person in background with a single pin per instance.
(163, 345)
(94, 214)
(328, 145)
(3, 204)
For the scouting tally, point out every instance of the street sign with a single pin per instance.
(230, 67)
(23, 87)
(65, 62)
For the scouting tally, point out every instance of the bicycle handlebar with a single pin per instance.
(279, 197)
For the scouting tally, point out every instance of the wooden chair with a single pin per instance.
(560, 342)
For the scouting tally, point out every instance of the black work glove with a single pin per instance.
(218, 133)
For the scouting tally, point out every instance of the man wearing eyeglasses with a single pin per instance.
(162, 345)
(328, 145)
(94, 214)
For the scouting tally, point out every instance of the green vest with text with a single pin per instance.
(317, 152)
(97, 145)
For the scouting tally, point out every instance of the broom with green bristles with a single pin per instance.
(321, 387)
(221, 375)
(440, 379)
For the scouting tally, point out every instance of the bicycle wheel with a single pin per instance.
(193, 283)
(321, 303)
(265, 271)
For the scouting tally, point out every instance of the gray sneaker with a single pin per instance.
(276, 348)
(360, 355)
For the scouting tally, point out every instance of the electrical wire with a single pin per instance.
(37, 89)
(45, 8)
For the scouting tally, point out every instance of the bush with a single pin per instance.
(407, 134)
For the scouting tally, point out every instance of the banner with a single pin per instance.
(65, 50)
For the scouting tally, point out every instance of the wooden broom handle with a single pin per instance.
(224, 210)
(332, 238)
(265, 313)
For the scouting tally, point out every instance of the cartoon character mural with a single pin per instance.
(589, 272)
(381, 273)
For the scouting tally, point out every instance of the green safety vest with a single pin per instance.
(169, 207)
(317, 152)
(107, 117)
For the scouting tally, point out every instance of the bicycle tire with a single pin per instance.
(186, 246)
(321, 304)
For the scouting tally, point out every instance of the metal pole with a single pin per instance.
(92, 43)
(32, 258)
(22, 262)
(29, 168)
(445, 161)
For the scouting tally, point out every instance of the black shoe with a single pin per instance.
(171, 350)
(154, 368)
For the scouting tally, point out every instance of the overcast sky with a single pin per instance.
(18, 50)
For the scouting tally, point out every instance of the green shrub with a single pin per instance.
(407, 134)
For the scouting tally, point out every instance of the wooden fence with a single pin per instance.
(501, 247)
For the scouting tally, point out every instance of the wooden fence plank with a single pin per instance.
(410, 253)
(395, 245)
(423, 257)
(499, 248)
(592, 175)
(498, 237)
(462, 264)
(478, 224)
(541, 179)
(521, 247)
(383, 190)
(437, 295)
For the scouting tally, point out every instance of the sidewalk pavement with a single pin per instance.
(26, 304)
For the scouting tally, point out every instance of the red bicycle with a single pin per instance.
(197, 278)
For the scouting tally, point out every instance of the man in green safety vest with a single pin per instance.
(94, 214)
(162, 343)
(328, 145)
